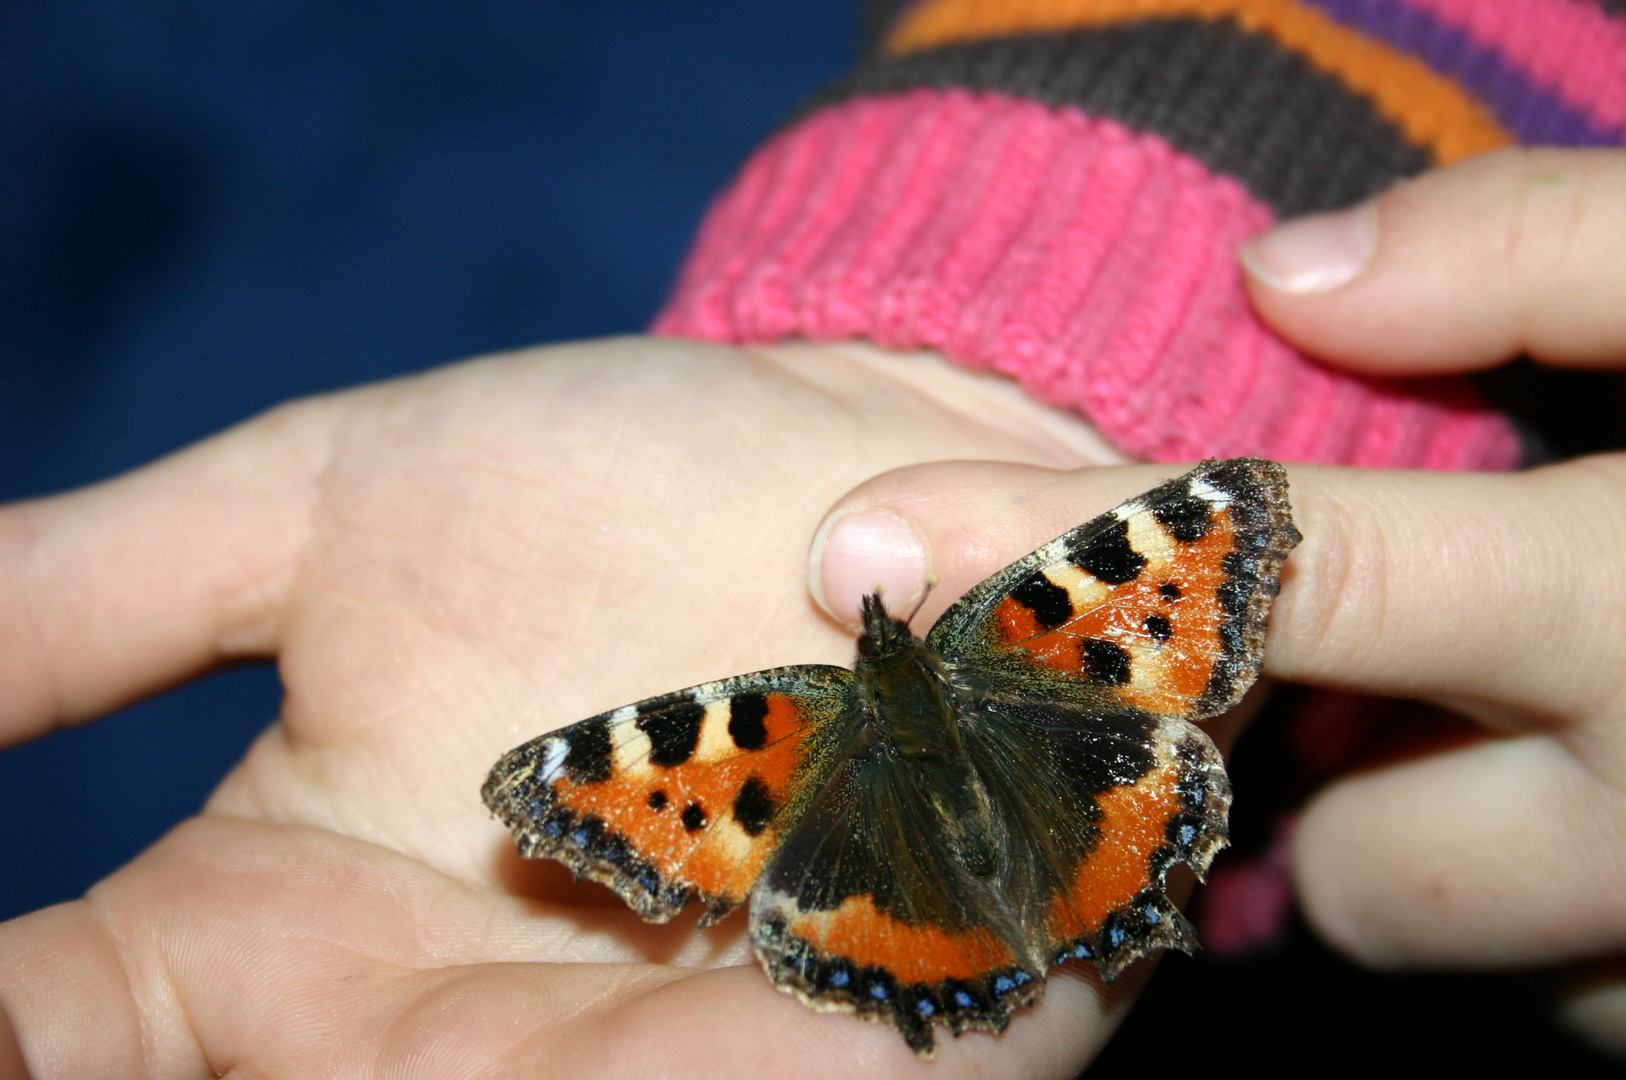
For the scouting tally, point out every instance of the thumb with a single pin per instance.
(1458, 270)
(952, 524)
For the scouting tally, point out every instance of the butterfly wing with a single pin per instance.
(1077, 672)
(1160, 604)
(1098, 805)
(681, 795)
(865, 909)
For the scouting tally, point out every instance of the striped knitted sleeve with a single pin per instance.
(1055, 190)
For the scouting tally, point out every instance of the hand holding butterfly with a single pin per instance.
(445, 566)
(1503, 596)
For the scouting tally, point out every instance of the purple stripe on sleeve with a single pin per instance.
(1534, 113)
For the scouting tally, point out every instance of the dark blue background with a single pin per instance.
(209, 207)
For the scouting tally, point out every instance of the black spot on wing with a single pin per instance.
(1170, 591)
(657, 800)
(673, 730)
(1049, 602)
(754, 806)
(1187, 519)
(694, 817)
(1159, 627)
(1104, 662)
(1109, 556)
(747, 714)
(588, 759)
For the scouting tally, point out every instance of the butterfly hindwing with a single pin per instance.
(1100, 803)
(862, 910)
(866, 907)
(683, 794)
(1159, 605)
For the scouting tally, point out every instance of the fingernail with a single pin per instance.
(1315, 254)
(860, 552)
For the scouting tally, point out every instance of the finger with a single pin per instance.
(1460, 269)
(1492, 591)
(1507, 853)
(120, 589)
(1593, 1005)
(1497, 590)
(238, 947)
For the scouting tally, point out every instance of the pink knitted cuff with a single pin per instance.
(1094, 264)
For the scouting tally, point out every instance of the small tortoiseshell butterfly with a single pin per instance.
(922, 837)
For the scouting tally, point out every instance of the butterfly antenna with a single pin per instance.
(931, 583)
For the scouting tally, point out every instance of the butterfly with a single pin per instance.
(922, 837)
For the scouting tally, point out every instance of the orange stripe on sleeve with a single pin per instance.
(1433, 111)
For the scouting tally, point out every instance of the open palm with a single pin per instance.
(446, 566)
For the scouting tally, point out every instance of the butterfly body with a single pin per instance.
(922, 837)
(909, 705)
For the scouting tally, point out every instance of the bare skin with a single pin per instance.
(447, 565)
(1502, 596)
(444, 567)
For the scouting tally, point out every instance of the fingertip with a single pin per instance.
(1306, 277)
(1593, 1007)
(1458, 269)
(1325, 283)
(1313, 255)
(863, 550)
(948, 523)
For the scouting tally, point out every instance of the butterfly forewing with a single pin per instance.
(1159, 605)
(677, 795)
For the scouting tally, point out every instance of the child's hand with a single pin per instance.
(1504, 596)
(446, 566)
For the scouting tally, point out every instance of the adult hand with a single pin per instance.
(1503, 596)
(1515, 252)
(444, 567)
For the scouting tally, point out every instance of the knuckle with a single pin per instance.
(1598, 590)
(1334, 604)
(1537, 214)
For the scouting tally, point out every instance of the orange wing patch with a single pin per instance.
(1134, 828)
(1151, 642)
(707, 821)
(911, 975)
(1113, 908)
(910, 952)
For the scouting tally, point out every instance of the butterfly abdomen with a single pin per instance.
(907, 699)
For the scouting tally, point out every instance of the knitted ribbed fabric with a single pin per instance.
(1055, 190)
